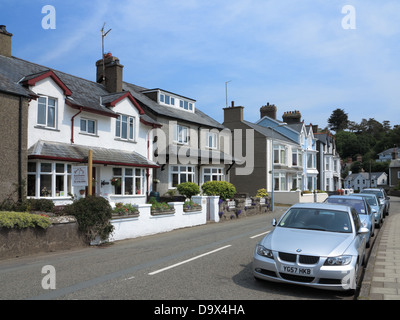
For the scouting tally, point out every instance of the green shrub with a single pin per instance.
(45, 205)
(93, 215)
(188, 189)
(20, 220)
(223, 189)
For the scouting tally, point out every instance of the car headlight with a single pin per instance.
(338, 261)
(262, 251)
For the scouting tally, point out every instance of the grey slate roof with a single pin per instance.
(197, 117)
(64, 151)
(90, 94)
(268, 132)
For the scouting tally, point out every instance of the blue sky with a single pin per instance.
(292, 53)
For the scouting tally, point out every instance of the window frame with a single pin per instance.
(45, 123)
(129, 123)
(217, 172)
(180, 171)
(181, 136)
(86, 129)
(124, 187)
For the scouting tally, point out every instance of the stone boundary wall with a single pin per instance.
(63, 234)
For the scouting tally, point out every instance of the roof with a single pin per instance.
(197, 117)
(17, 74)
(78, 153)
(365, 175)
(268, 132)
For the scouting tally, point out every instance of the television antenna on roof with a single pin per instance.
(103, 35)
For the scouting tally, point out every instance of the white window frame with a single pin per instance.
(40, 189)
(184, 174)
(214, 174)
(85, 130)
(137, 175)
(47, 108)
(130, 127)
(282, 153)
(282, 181)
(181, 134)
(212, 140)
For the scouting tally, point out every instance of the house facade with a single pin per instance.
(188, 146)
(361, 180)
(328, 161)
(305, 151)
(68, 118)
(273, 160)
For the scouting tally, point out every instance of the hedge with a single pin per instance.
(21, 220)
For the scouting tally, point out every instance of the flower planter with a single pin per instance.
(162, 212)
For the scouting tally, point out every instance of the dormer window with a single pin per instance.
(167, 99)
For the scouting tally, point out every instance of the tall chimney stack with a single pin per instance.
(113, 73)
(5, 41)
(268, 111)
(292, 117)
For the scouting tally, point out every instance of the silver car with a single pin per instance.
(384, 200)
(313, 244)
(377, 209)
(363, 209)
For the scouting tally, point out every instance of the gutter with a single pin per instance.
(72, 124)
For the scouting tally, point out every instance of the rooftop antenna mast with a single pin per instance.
(103, 35)
(226, 93)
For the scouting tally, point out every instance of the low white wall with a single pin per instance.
(146, 224)
(292, 197)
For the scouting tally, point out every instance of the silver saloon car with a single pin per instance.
(313, 244)
(377, 209)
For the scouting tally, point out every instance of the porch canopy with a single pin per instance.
(59, 151)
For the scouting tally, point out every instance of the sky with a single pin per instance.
(309, 55)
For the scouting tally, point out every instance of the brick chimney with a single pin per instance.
(113, 73)
(233, 114)
(291, 117)
(5, 41)
(268, 111)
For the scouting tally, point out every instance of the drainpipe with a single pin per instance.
(20, 150)
(72, 125)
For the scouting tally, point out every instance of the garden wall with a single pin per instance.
(148, 223)
(61, 235)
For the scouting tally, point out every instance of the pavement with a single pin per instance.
(381, 280)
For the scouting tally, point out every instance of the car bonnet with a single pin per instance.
(310, 242)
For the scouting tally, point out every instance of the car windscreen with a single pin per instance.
(317, 219)
(372, 201)
(378, 193)
(357, 204)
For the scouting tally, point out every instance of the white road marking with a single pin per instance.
(186, 261)
(259, 235)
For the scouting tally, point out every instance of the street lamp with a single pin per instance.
(273, 162)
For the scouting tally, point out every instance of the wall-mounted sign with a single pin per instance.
(80, 176)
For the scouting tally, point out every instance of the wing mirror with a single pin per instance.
(274, 222)
(363, 230)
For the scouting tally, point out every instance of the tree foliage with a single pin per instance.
(367, 138)
(338, 120)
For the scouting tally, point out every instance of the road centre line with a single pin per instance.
(188, 260)
(260, 234)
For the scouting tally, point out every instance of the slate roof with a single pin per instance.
(91, 95)
(198, 117)
(268, 132)
(78, 153)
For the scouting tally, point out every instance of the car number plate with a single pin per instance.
(296, 270)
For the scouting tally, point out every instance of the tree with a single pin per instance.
(338, 120)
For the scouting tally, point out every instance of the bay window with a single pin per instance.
(129, 181)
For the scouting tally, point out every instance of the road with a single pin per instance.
(210, 262)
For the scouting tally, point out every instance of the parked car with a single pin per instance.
(383, 198)
(313, 244)
(377, 208)
(363, 209)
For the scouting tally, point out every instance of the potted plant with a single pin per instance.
(116, 182)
